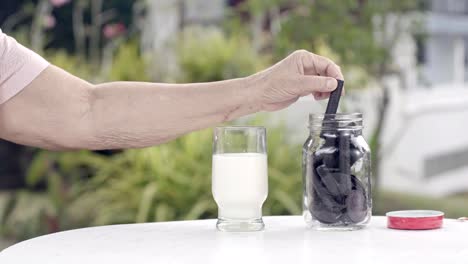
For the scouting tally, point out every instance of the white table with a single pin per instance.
(285, 240)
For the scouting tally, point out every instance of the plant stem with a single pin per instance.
(79, 27)
(95, 34)
(37, 28)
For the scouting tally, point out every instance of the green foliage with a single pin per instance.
(343, 30)
(128, 65)
(347, 27)
(210, 55)
(168, 182)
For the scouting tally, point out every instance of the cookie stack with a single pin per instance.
(338, 196)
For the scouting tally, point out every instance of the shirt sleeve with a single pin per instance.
(19, 66)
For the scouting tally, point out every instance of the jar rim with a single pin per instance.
(340, 121)
(338, 116)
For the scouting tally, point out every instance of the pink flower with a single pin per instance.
(49, 21)
(113, 30)
(59, 3)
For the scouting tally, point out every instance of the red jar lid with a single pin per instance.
(415, 219)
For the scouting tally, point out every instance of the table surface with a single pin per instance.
(285, 240)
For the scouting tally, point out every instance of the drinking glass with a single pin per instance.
(239, 177)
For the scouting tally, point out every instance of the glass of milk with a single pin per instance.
(239, 177)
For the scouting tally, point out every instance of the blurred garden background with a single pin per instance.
(404, 63)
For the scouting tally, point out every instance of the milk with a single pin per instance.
(240, 184)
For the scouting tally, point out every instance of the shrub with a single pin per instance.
(209, 55)
(168, 182)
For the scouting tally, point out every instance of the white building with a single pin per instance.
(426, 136)
(445, 57)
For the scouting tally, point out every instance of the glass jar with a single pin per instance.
(336, 173)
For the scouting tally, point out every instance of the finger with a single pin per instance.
(309, 84)
(318, 96)
(314, 64)
(321, 96)
(331, 70)
(326, 67)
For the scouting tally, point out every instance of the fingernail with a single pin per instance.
(332, 84)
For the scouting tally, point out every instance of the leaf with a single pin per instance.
(7, 209)
(146, 202)
(163, 212)
(56, 190)
(287, 202)
(201, 207)
(37, 171)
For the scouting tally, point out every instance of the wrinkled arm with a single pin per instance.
(60, 111)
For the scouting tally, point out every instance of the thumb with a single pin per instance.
(310, 84)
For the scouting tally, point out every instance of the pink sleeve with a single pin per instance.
(19, 66)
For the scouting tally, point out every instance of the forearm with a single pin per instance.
(132, 114)
(60, 111)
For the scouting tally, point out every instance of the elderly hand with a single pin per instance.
(300, 74)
